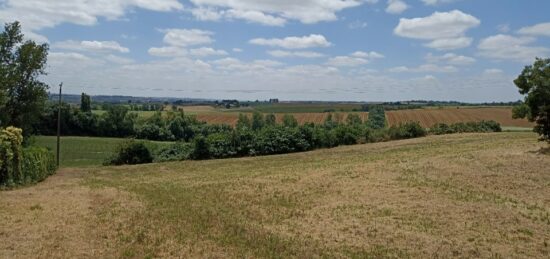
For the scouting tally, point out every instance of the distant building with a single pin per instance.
(275, 100)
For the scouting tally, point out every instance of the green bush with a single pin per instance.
(176, 152)
(131, 152)
(468, 127)
(200, 148)
(38, 163)
(406, 131)
(20, 166)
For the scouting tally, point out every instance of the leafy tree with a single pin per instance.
(243, 122)
(258, 121)
(534, 82)
(85, 103)
(289, 121)
(354, 120)
(270, 120)
(22, 94)
(200, 149)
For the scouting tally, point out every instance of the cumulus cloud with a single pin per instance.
(541, 29)
(187, 37)
(38, 14)
(357, 58)
(311, 41)
(437, 2)
(291, 54)
(205, 51)
(396, 6)
(168, 51)
(426, 68)
(507, 47)
(445, 30)
(451, 59)
(273, 12)
(92, 46)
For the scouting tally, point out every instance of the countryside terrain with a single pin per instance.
(462, 195)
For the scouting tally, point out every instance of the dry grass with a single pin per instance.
(470, 195)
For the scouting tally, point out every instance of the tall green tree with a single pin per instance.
(85, 103)
(534, 83)
(22, 94)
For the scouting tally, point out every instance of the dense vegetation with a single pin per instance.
(20, 166)
(534, 82)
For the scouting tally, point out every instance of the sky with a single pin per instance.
(325, 50)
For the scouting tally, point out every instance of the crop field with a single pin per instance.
(463, 195)
(426, 117)
(429, 117)
(306, 107)
(85, 151)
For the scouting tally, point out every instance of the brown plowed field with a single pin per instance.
(426, 117)
(429, 117)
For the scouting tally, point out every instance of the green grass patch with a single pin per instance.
(86, 151)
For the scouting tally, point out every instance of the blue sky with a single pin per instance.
(355, 50)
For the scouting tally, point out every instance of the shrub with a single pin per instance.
(377, 117)
(441, 128)
(200, 149)
(131, 152)
(176, 152)
(406, 131)
(20, 166)
(38, 163)
(468, 127)
(221, 145)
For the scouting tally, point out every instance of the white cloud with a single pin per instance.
(445, 30)
(450, 43)
(451, 59)
(371, 55)
(257, 17)
(357, 58)
(93, 46)
(311, 41)
(299, 54)
(38, 14)
(167, 51)
(237, 50)
(204, 52)
(506, 47)
(541, 29)
(187, 37)
(426, 68)
(504, 28)
(396, 6)
(274, 12)
(206, 14)
(437, 2)
(346, 61)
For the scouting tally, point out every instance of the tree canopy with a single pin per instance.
(534, 83)
(22, 94)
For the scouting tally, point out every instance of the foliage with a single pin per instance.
(377, 117)
(85, 103)
(289, 121)
(175, 152)
(22, 63)
(20, 166)
(406, 131)
(534, 82)
(200, 148)
(469, 127)
(131, 152)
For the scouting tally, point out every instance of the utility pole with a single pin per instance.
(59, 122)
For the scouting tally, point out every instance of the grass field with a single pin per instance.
(463, 195)
(85, 151)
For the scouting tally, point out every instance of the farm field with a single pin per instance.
(85, 151)
(463, 195)
(305, 107)
(426, 117)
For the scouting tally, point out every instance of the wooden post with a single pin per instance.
(59, 122)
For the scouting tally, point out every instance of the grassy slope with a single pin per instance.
(470, 195)
(85, 151)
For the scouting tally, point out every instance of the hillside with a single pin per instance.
(464, 195)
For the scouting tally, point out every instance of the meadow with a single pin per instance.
(462, 195)
(86, 151)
